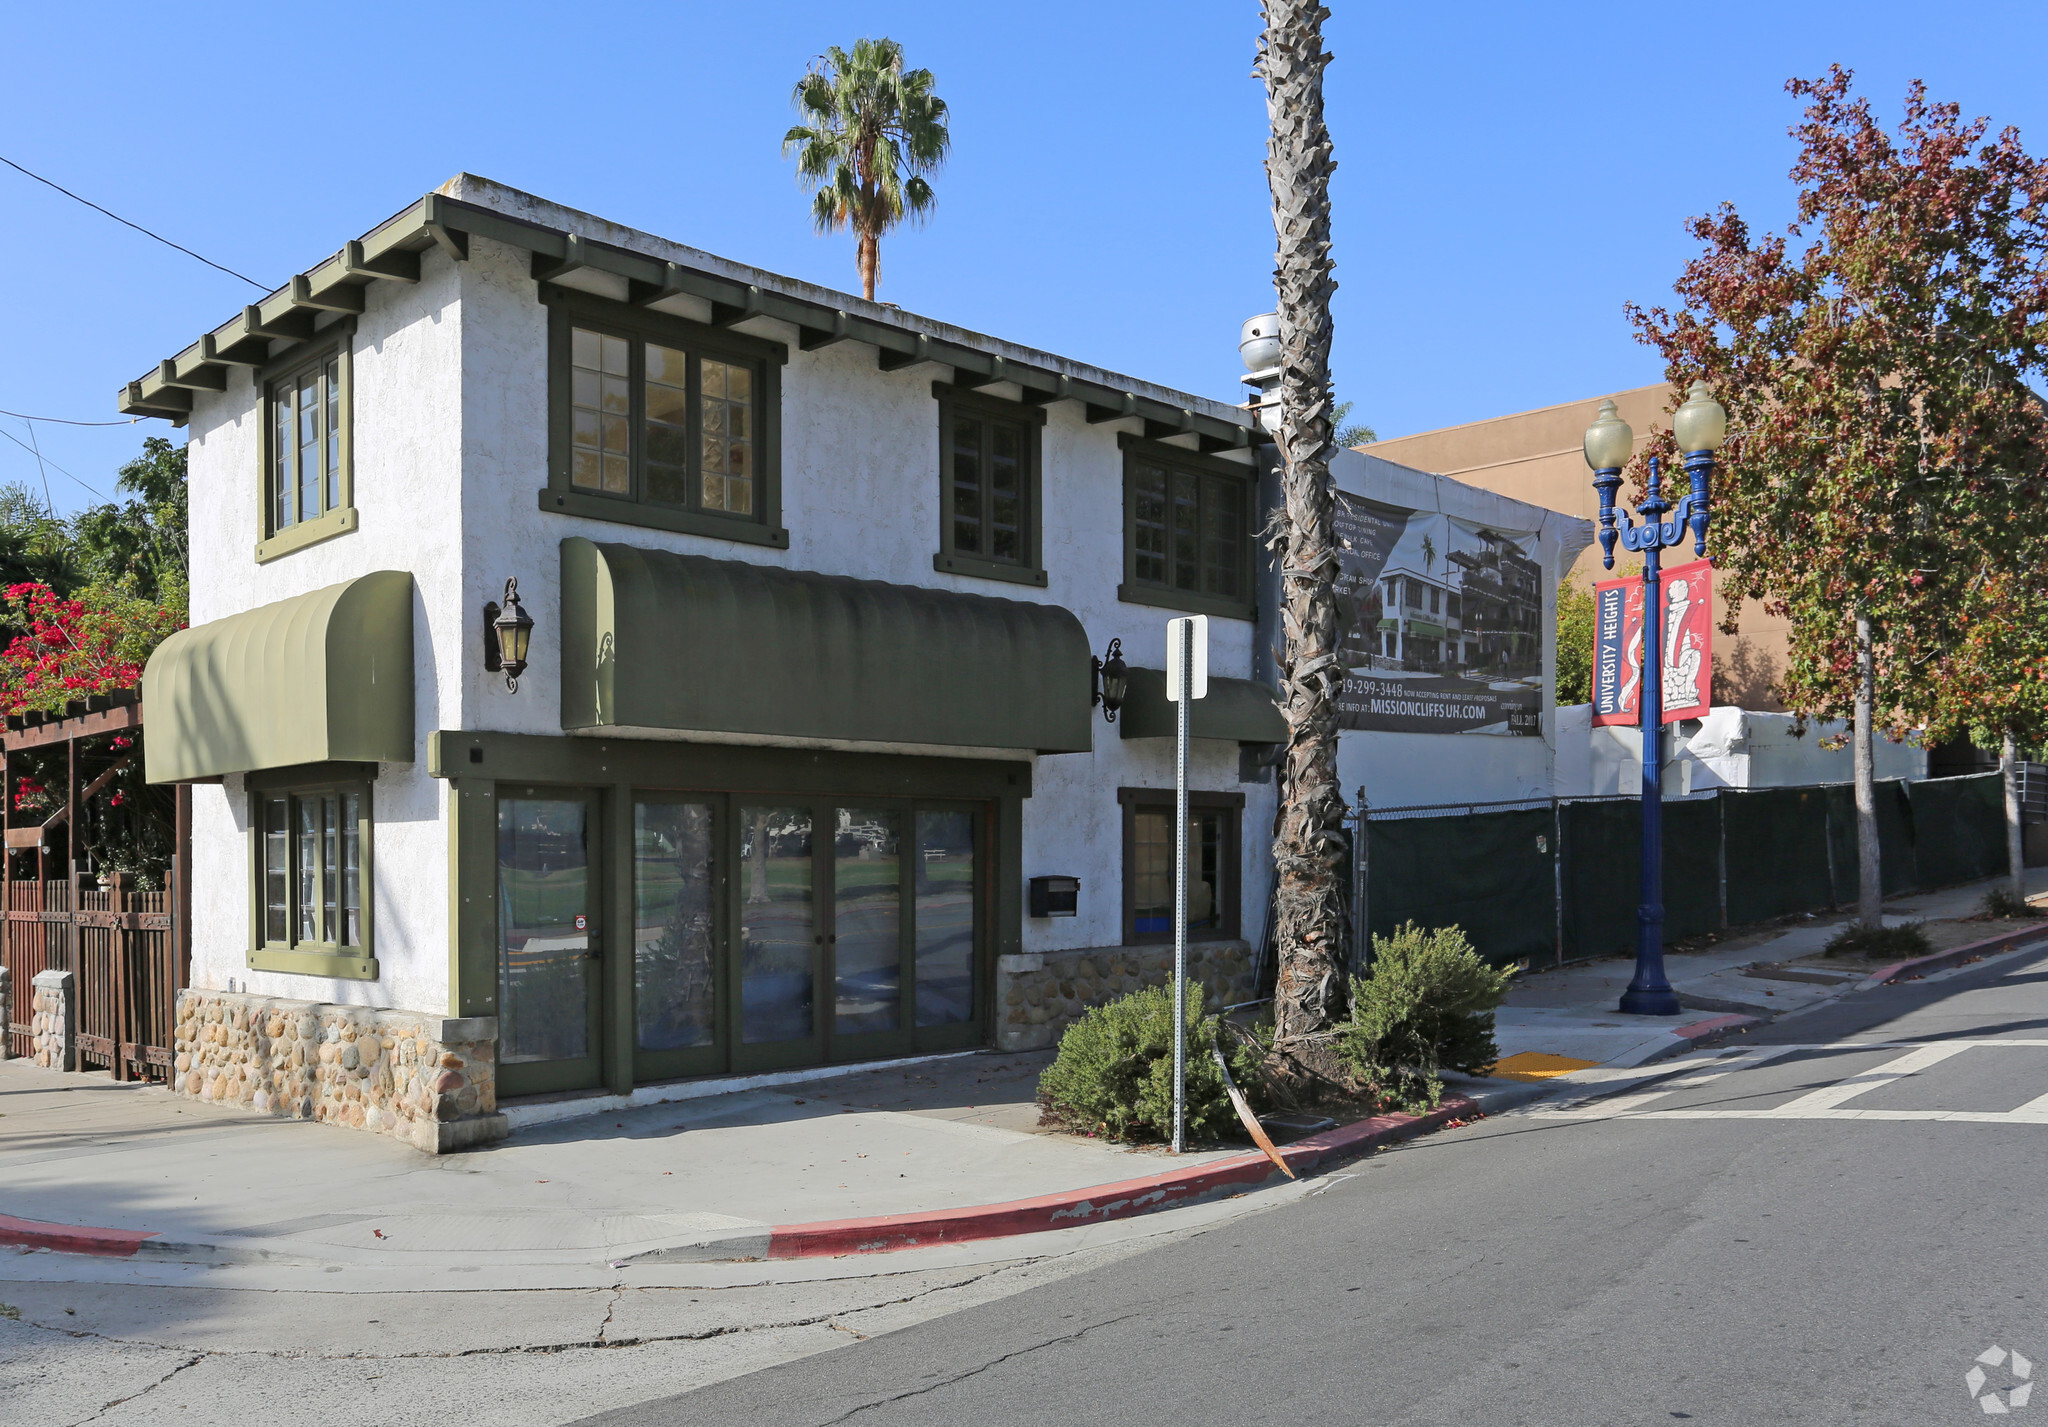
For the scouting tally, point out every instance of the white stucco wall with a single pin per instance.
(1732, 748)
(450, 433)
(406, 433)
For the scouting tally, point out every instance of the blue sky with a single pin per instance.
(1104, 200)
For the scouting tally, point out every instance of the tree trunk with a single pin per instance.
(868, 258)
(1308, 851)
(2015, 842)
(1869, 869)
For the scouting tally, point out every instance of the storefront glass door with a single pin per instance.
(677, 936)
(550, 1031)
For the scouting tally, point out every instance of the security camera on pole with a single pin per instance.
(1187, 679)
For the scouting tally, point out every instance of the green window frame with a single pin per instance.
(1188, 523)
(307, 443)
(310, 837)
(991, 462)
(658, 421)
(1217, 855)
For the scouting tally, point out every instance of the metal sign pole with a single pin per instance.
(1186, 634)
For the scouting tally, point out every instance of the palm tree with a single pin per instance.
(1308, 846)
(874, 130)
(1349, 432)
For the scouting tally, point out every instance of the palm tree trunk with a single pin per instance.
(1869, 869)
(1308, 850)
(2015, 842)
(868, 258)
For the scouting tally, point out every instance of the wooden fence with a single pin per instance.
(128, 950)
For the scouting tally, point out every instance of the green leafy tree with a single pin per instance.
(1873, 362)
(1349, 432)
(872, 131)
(1574, 643)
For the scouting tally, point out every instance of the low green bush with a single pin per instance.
(1901, 943)
(2001, 905)
(1426, 1005)
(1113, 1075)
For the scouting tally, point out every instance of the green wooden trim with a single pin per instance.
(980, 569)
(622, 511)
(1133, 593)
(1129, 801)
(1031, 569)
(612, 898)
(306, 775)
(342, 965)
(568, 309)
(357, 963)
(342, 520)
(650, 763)
(472, 899)
(334, 340)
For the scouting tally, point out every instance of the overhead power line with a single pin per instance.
(65, 421)
(41, 461)
(262, 286)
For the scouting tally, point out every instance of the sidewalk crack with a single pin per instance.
(191, 1361)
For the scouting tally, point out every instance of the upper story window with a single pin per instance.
(1187, 531)
(308, 487)
(662, 422)
(989, 487)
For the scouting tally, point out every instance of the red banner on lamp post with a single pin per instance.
(1686, 628)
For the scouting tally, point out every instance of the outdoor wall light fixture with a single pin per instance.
(508, 630)
(1109, 680)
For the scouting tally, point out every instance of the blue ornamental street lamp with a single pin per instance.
(1698, 427)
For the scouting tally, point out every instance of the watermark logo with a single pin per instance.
(1997, 1402)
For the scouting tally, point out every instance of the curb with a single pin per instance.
(70, 1238)
(1954, 956)
(1102, 1203)
(831, 1238)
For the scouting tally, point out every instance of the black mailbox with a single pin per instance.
(1055, 896)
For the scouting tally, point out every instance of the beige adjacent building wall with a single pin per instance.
(1536, 456)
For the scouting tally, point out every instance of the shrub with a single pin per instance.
(1425, 1006)
(1113, 1075)
(2000, 905)
(1856, 939)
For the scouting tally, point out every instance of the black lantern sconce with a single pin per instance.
(1110, 680)
(508, 630)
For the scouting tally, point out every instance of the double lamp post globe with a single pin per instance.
(1698, 428)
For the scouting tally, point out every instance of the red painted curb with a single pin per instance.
(1734, 1020)
(1104, 1202)
(1954, 956)
(70, 1239)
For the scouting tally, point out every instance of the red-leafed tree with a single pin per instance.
(1883, 459)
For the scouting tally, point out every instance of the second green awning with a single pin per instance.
(1236, 709)
(656, 640)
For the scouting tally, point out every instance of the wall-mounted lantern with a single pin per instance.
(1110, 680)
(508, 630)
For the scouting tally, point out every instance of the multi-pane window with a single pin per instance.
(662, 425)
(1189, 531)
(306, 424)
(310, 868)
(986, 464)
(989, 486)
(1148, 868)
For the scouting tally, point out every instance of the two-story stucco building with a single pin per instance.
(816, 587)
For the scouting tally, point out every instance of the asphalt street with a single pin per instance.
(1837, 1219)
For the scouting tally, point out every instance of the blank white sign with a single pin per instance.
(1175, 635)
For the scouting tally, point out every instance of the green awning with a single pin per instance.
(1236, 709)
(322, 677)
(658, 641)
(1426, 630)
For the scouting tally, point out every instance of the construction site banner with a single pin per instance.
(1443, 623)
(1687, 628)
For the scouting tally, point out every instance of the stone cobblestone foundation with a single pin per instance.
(1040, 994)
(53, 1021)
(430, 1081)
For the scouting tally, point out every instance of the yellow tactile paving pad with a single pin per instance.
(1535, 1065)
